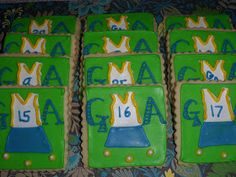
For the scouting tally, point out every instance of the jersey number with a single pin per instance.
(126, 113)
(216, 110)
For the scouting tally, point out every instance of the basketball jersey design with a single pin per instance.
(216, 73)
(122, 47)
(201, 22)
(28, 47)
(120, 76)
(122, 24)
(124, 112)
(26, 134)
(25, 113)
(208, 46)
(217, 109)
(36, 28)
(29, 77)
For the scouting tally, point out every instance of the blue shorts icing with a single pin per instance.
(28, 140)
(123, 137)
(217, 133)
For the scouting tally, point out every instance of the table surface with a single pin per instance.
(81, 8)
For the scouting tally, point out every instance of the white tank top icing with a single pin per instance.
(201, 22)
(120, 76)
(25, 113)
(44, 28)
(216, 73)
(124, 112)
(208, 46)
(29, 77)
(217, 109)
(28, 47)
(110, 46)
(122, 24)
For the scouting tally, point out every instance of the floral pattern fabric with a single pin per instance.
(81, 8)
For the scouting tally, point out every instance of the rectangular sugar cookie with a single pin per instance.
(33, 128)
(53, 45)
(216, 21)
(123, 69)
(202, 41)
(124, 126)
(125, 21)
(47, 25)
(120, 42)
(208, 67)
(206, 129)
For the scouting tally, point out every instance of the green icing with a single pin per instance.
(60, 24)
(155, 130)
(55, 45)
(188, 66)
(190, 134)
(136, 21)
(149, 64)
(182, 40)
(213, 21)
(55, 132)
(140, 41)
(11, 69)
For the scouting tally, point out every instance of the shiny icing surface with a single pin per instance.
(53, 46)
(144, 69)
(146, 149)
(202, 41)
(53, 71)
(202, 141)
(59, 24)
(212, 21)
(51, 105)
(124, 21)
(189, 66)
(138, 41)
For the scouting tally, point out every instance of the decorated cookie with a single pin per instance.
(206, 129)
(128, 21)
(47, 25)
(120, 42)
(199, 41)
(35, 70)
(205, 67)
(123, 69)
(218, 21)
(124, 126)
(63, 45)
(33, 128)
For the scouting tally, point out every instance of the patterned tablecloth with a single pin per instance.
(81, 8)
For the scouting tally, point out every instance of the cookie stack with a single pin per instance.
(124, 105)
(203, 61)
(37, 73)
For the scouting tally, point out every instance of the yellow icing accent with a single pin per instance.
(52, 157)
(24, 102)
(129, 159)
(28, 163)
(117, 45)
(217, 99)
(107, 153)
(29, 71)
(197, 23)
(6, 156)
(212, 68)
(120, 70)
(112, 120)
(204, 43)
(45, 23)
(118, 23)
(24, 40)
